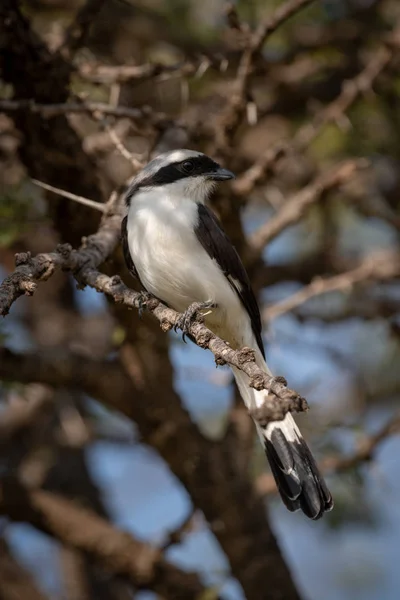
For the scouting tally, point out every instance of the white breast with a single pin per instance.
(173, 265)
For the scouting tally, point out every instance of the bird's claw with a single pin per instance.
(191, 314)
(142, 302)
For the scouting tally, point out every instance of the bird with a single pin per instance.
(174, 245)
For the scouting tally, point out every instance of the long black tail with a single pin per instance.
(299, 481)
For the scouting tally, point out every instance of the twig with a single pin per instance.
(80, 199)
(265, 484)
(122, 149)
(234, 111)
(333, 112)
(296, 206)
(117, 142)
(377, 267)
(52, 110)
(110, 74)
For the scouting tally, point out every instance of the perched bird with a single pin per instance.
(177, 249)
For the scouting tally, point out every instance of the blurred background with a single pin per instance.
(308, 116)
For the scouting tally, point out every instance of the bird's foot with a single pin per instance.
(191, 314)
(142, 302)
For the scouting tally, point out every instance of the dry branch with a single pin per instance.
(80, 199)
(332, 113)
(377, 267)
(47, 111)
(104, 380)
(297, 205)
(109, 74)
(119, 552)
(366, 448)
(236, 107)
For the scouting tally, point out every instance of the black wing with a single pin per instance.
(219, 247)
(125, 249)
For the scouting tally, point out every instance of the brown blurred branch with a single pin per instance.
(365, 452)
(377, 267)
(15, 582)
(362, 306)
(104, 380)
(124, 73)
(235, 109)
(47, 111)
(332, 113)
(366, 448)
(297, 205)
(119, 552)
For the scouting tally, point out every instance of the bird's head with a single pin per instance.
(179, 173)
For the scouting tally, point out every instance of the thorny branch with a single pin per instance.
(83, 265)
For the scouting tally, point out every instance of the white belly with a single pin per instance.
(174, 267)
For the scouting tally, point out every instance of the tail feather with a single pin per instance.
(299, 481)
(297, 476)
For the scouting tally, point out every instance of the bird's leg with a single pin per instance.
(144, 297)
(191, 314)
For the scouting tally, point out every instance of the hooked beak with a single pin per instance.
(221, 175)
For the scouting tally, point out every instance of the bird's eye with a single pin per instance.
(188, 166)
